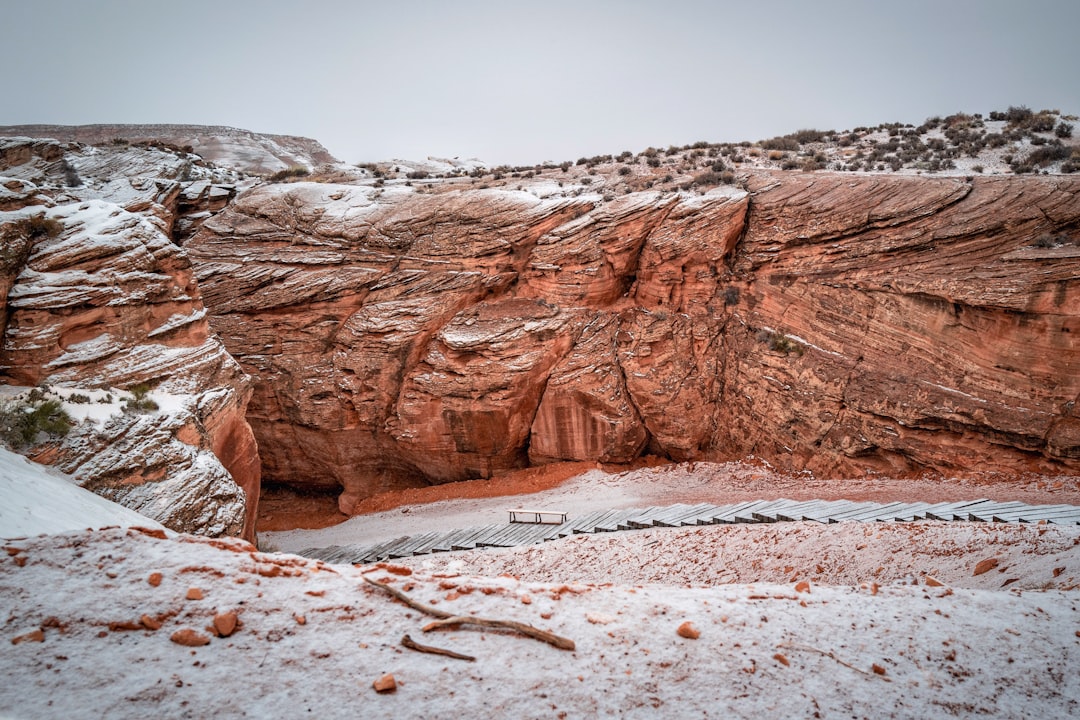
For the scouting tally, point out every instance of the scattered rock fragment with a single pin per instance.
(385, 684)
(225, 623)
(395, 569)
(189, 638)
(150, 532)
(782, 659)
(150, 623)
(932, 581)
(688, 631)
(878, 670)
(32, 636)
(803, 586)
(599, 618)
(300, 619)
(985, 566)
(154, 579)
(194, 594)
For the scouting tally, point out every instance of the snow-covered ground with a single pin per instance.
(85, 609)
(955, 620)
(35, 499)
(691, 483)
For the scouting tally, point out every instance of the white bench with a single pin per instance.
(544, 517)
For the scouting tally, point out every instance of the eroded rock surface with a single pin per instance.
(833, 322)
(96, 295)
(927, 328)
(230, 147)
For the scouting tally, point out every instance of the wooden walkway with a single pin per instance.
(758, 511)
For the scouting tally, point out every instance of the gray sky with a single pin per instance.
(516, 82)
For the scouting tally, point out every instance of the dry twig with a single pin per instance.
(426, 609)
(533, 632)
(413, 645)
(831, 654)
(448, 619)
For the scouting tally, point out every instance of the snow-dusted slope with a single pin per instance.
(94, 294)
(243, 150)
(99, 619)
(35, 500)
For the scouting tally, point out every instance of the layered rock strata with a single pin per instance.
(831, 322)
(96, 295)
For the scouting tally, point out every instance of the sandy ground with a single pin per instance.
(461, 505)
(94, 624)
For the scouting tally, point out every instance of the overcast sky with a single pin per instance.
(523, 82)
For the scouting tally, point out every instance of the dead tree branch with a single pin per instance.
(413, 645)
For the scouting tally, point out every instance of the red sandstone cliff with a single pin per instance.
(834, 322)
(95, 297)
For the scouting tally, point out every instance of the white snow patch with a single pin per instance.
(35, 500)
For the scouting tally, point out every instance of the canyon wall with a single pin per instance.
(96, 299)
(399, 336)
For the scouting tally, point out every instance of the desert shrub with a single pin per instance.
(71, 175)
(1015, 115)
(653, 162)
(1046, 240)
(781, 143)
(78, 398)
(139, 402)
(977, 168)
(24, 421)
(809, 135)
(731, 295)
(417, 175)
(958, 120)
(296, 171)
(624, 170)
(779, 342)
(1042, 122)
(1048, 154)
(709, 177)
(1063, 130)
(39, 226)
(776, 155)
(1069, 167)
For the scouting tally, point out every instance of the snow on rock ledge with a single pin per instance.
(104, 299)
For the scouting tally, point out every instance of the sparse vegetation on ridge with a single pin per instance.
(296, 171)
(25, 421)
(139, 402)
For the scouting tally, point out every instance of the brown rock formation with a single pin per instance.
(927, 330)
(833, 322)
(95, 296)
